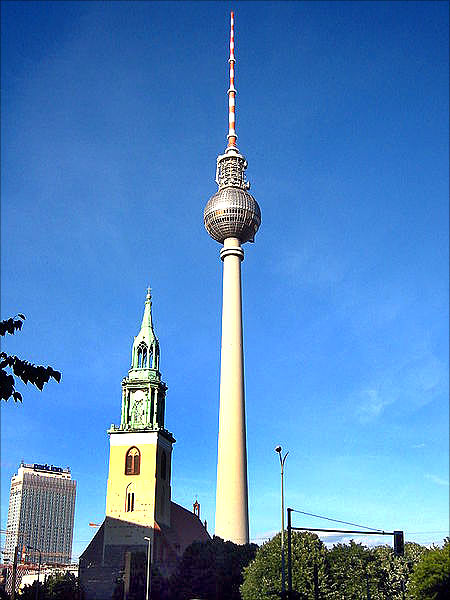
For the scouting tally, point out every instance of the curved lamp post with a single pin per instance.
(149, 558)
(278, 450)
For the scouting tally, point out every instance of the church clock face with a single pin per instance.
(138, 412)
(138, 407)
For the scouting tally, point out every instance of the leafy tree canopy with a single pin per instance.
(262, 578)
(24, 370)
(346, 571)
(211, 570)
(390, 574)
(430, 579)
(61, 586)
(350, 570)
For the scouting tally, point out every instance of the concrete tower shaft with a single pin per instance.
(232, 490)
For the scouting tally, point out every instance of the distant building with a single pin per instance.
(41, 513)
(139, 508)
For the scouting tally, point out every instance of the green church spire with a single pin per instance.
(145, 351)
(143, 392)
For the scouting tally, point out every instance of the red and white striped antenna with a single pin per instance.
(232, 137)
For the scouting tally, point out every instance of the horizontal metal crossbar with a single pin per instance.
(344, 531)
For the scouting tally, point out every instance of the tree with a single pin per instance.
(211, 570)
(346, 571)
(29, 591)
(27, 372)
(392, 572)
(262, 578)
(430, 579)
(60, 586)
(350, 569)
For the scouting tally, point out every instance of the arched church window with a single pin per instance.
(130, 502)
(163, 465)
(132, 462)
(142, 356)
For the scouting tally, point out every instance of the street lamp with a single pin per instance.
(39, 569)
(149, 575)
(278, 450)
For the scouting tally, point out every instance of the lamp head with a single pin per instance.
(278, 449)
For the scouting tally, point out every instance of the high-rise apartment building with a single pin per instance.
(41, 513)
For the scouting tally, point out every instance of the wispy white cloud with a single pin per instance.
(436, 479)
(261, 538)
(312, 265)
(414, 384)
(370, 405)
(367, 540)
(418, 445)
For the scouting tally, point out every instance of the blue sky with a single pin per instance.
(112, 117)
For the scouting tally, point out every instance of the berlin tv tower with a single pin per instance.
(232, 217)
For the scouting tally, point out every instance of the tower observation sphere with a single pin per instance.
(232, 211)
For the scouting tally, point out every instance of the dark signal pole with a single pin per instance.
(14, 574)
(289, 531)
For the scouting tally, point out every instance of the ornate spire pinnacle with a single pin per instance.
(232, 137)
(145, 352)
(147, 318)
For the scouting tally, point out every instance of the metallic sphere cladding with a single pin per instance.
(232, 211)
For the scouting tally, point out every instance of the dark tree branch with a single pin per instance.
(24, 370)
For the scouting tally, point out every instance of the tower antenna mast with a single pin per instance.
(232, 137)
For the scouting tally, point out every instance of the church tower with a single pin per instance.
(142, 522)
(139, 488)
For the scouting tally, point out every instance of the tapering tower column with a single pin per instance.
(232, 217)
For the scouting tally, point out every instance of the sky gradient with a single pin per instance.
(112, 117)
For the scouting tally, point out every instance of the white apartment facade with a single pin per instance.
(41, 514)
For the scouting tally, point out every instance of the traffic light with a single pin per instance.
(399, 543)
